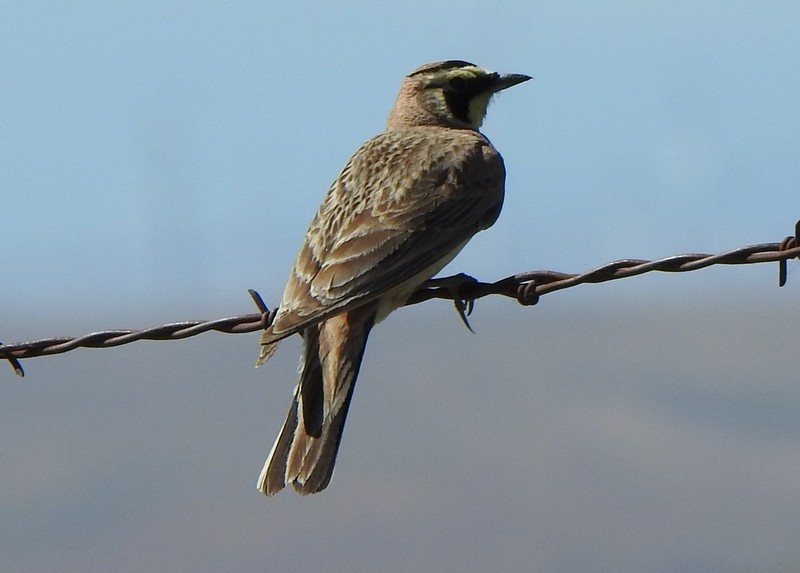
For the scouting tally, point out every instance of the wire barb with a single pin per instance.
(463, 290)
(15, 365)
(267, 316)
(787, 244)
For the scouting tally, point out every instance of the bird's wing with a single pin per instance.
(399, 206)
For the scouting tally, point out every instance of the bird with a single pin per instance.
(401, 209)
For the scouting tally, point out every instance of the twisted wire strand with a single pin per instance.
(525, 287)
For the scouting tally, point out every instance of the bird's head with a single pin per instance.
(451, 93)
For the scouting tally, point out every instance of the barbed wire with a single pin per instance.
(526, 288)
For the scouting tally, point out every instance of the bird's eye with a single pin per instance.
(458, 83)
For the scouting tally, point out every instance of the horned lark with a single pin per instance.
(400, 210)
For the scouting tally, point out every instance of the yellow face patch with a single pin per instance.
(477, 108)
(459, 95)
(479, 101)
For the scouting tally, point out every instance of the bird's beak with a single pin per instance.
(509, 80)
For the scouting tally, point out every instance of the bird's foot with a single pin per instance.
(458, 287)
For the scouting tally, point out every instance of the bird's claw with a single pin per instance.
(464, 309)
(454, 286)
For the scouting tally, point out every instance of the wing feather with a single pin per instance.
(380, 224)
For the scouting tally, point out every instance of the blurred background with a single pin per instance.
(157, 159)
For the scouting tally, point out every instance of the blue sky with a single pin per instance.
(158, 159)
(136, 135)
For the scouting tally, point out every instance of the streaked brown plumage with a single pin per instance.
(401, 209)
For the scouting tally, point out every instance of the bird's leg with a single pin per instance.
(455, 285)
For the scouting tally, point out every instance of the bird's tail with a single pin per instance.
(305, 451)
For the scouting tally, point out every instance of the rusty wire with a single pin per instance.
(526, 288)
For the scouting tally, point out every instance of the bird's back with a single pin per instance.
(402, 207)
